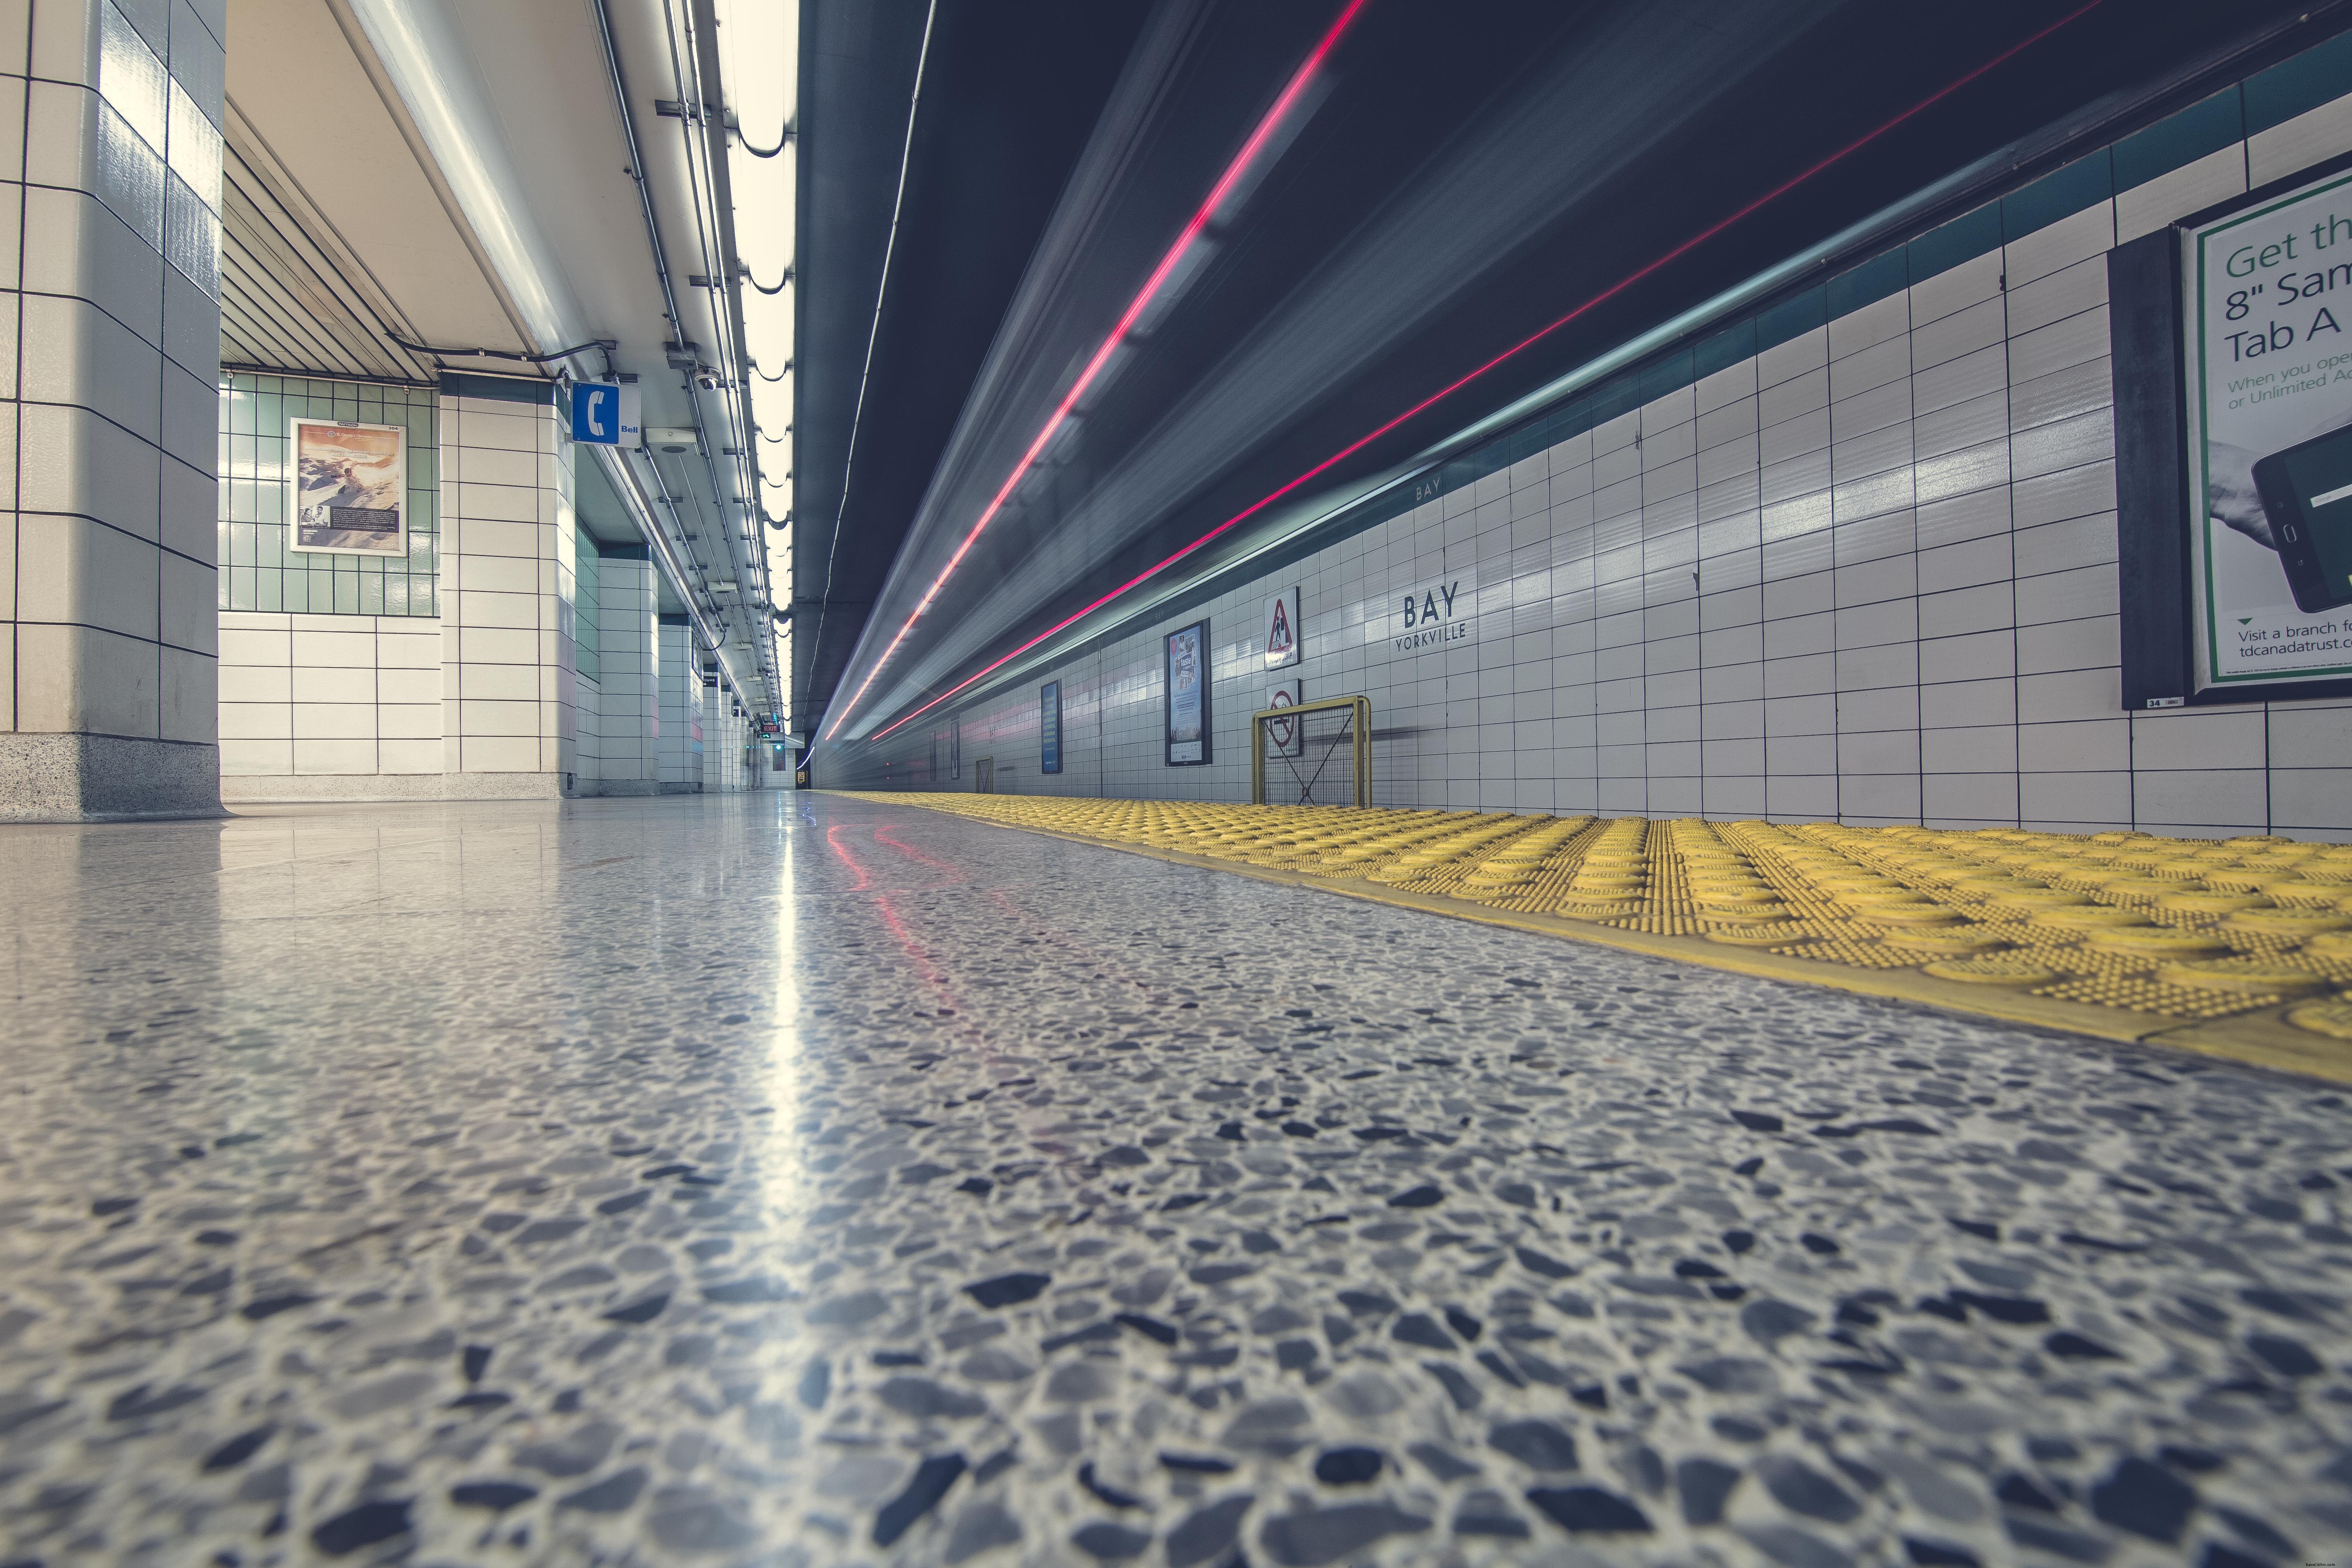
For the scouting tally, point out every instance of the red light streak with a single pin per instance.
(832, 842)
(955, 876)
(1191, 232)
(883, 835)
(916, 955)
(1687, 246)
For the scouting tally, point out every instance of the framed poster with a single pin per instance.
(351, 488)
(1049, 727)
(1286, 737)
(1184, 696)
(2266, 341)
(1283, 639)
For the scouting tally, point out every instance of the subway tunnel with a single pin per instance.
(910, 782)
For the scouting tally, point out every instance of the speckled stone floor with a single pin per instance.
(787, 1180)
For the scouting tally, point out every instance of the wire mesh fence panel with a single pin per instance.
(1315, 754)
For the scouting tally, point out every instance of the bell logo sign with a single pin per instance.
(607, 412)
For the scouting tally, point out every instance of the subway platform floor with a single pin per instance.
(792, 1180)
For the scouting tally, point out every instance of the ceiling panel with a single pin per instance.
(309, 127)
(292, 296)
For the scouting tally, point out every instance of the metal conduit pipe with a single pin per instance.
(713, 228)
(689, 93)
(730, 304)
(671, 554)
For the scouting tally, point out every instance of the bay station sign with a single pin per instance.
(1436, 616)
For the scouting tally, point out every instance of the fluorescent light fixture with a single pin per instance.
(767, 326)
(759, 53)
(763, 192)
(759, 65)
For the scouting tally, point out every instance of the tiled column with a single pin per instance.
(714, 740)
(109, 350)
(507, 598)
(679, 677)
(722, 745)
(630, 727)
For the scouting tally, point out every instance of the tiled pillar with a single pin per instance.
(507, 596)
(630, 717)
(718, 743)
(109, 347)
(680, 676)
(730, 748)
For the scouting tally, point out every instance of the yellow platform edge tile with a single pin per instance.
(2221, 943)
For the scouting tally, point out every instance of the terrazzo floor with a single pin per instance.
(789, 1180)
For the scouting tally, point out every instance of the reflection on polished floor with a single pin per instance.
(791, 1180)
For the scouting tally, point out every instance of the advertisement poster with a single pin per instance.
(1049, 727)
(350, 489)
(1282, 630)
(1187, 696)
(2268, 298)
(1285, 737)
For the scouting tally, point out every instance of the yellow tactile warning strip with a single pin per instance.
(2239, 948)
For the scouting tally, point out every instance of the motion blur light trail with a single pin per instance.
(1235, 171)
(1629, 281)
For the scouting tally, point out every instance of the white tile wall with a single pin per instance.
(483, 701)
(1869, 574)
(624, 729)
(680, 679)
(108, 341)
(507, 591)
(587, 740)
(724, 734)
(306, 697)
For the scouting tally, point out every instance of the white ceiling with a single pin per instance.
(309, 127)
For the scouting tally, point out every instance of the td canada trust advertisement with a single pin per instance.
(2269, 360)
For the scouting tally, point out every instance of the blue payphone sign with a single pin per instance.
(606, 413)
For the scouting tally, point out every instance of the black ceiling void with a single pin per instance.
(1011, 90)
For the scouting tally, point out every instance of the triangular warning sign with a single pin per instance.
(1278, 631)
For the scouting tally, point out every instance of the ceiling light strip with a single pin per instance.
(1647, 269)
(1151, 287)
(714, 224)
(686, 75)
